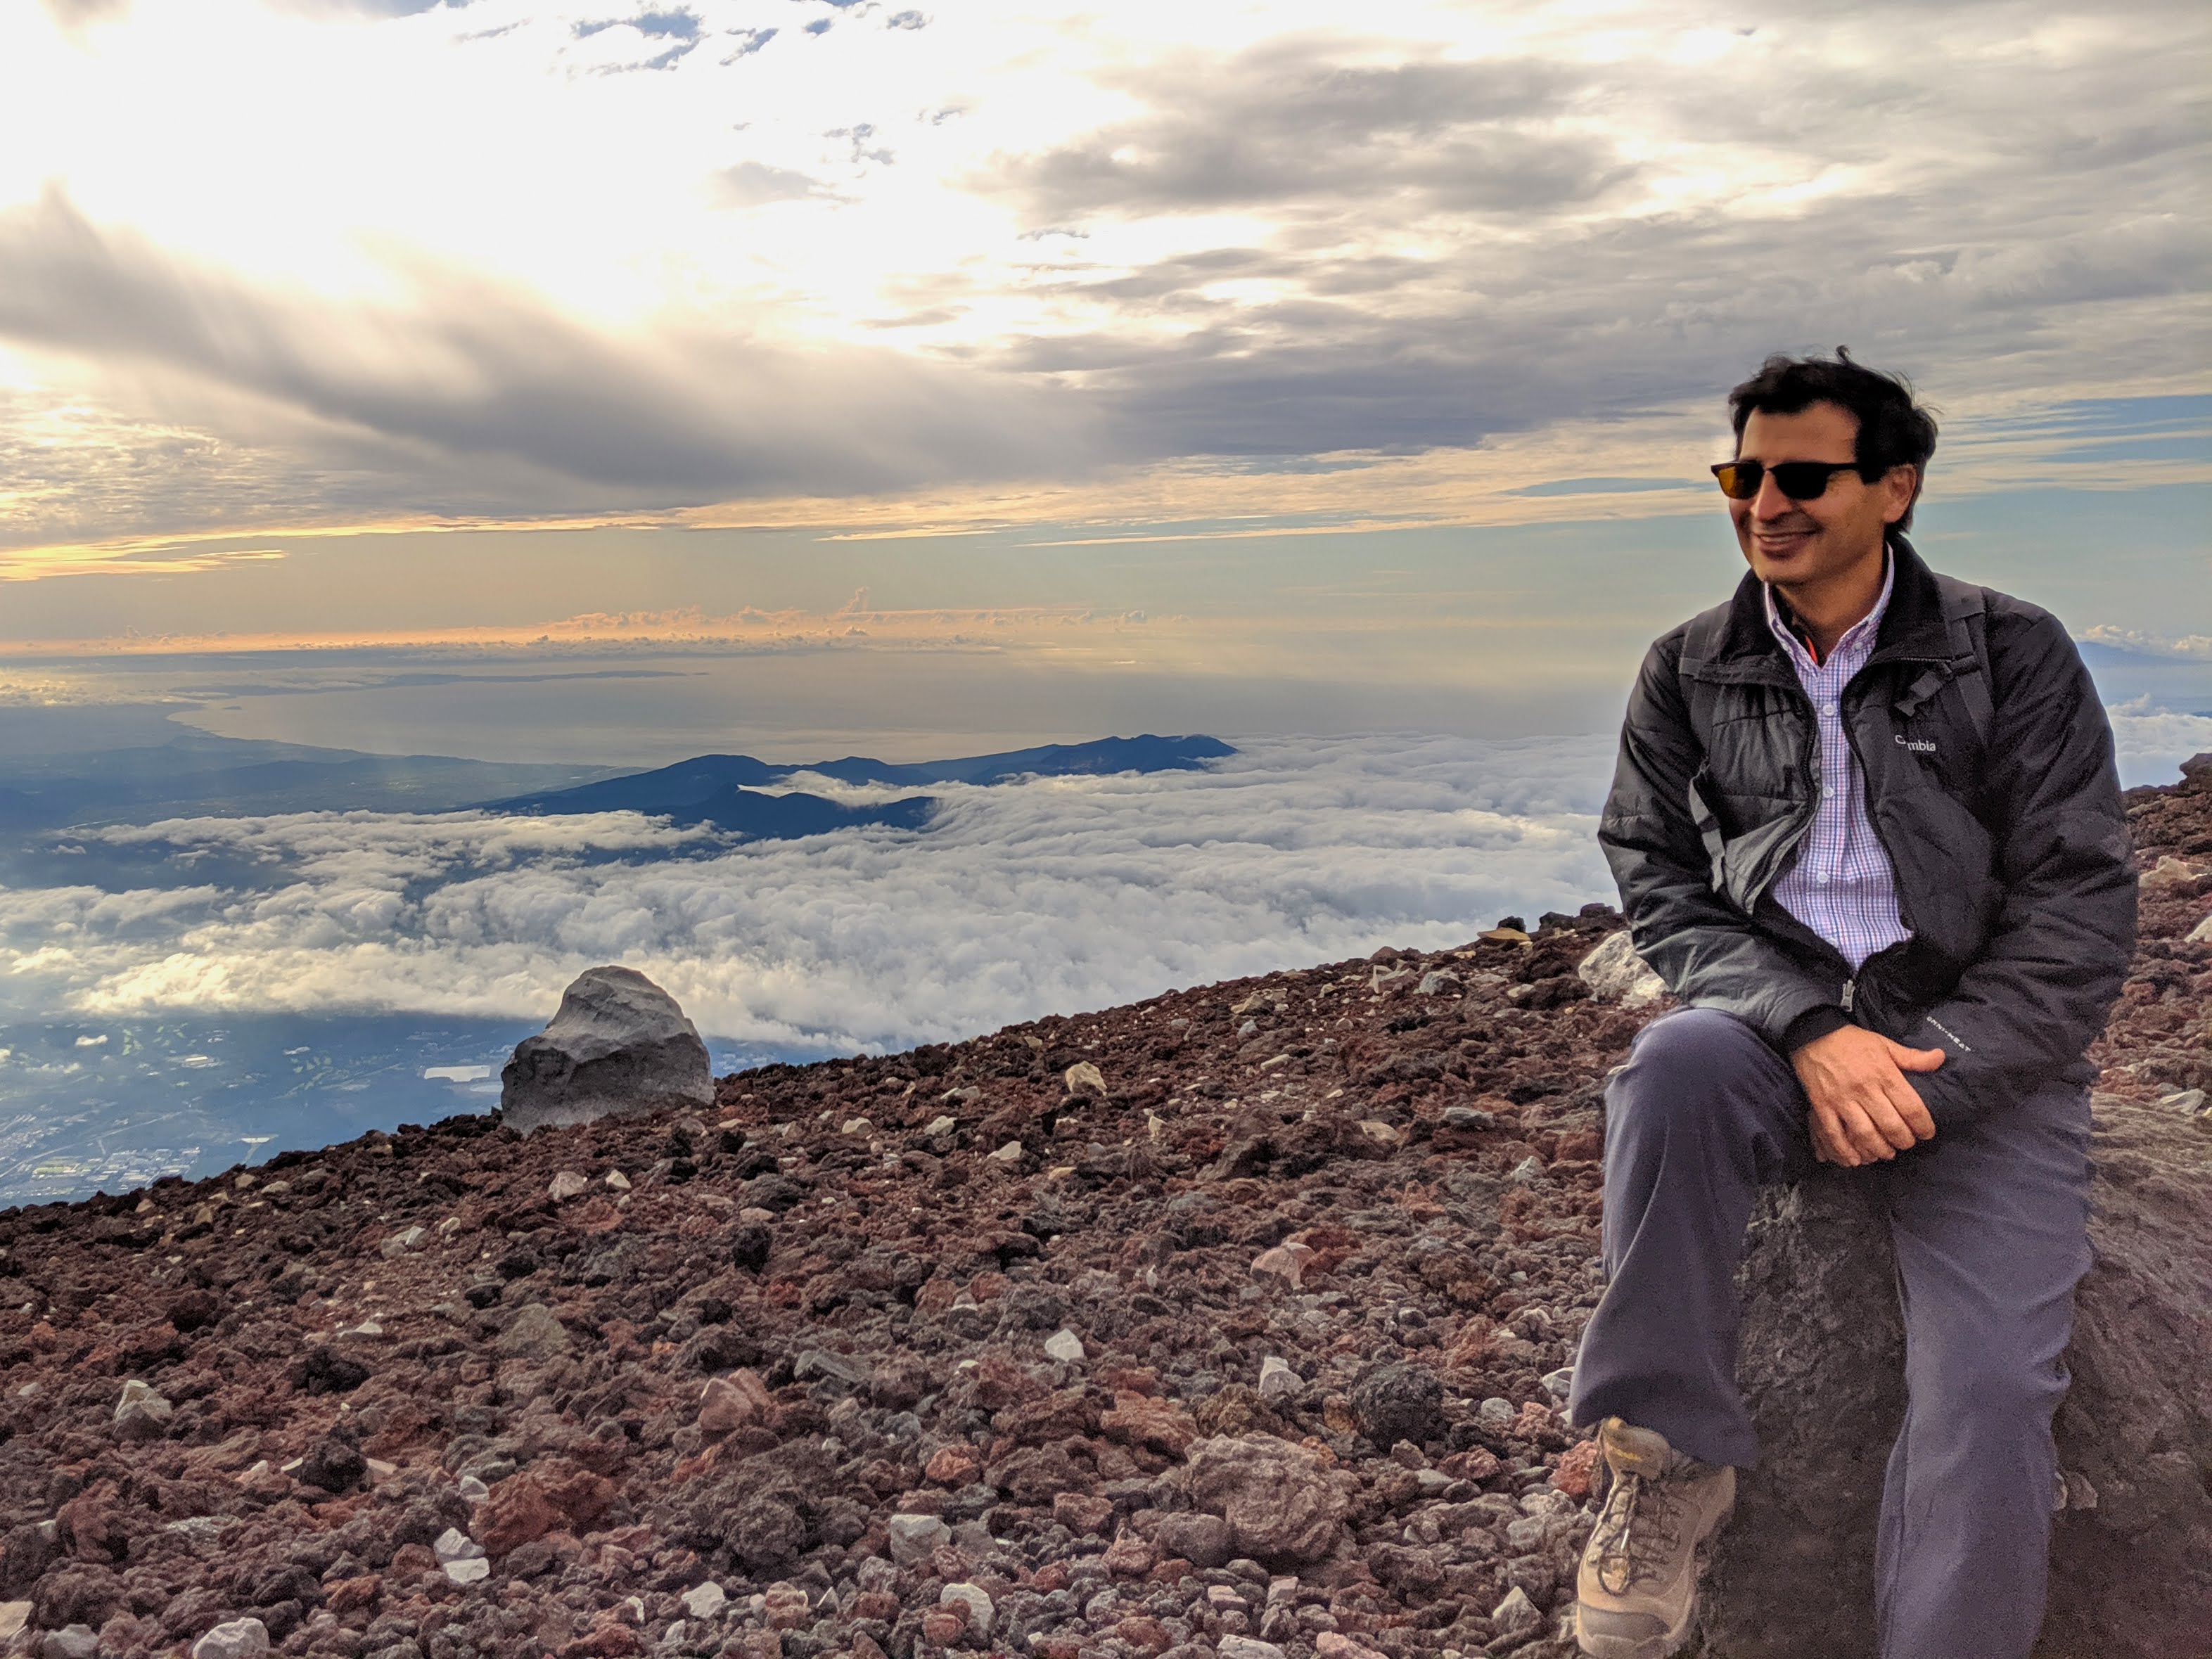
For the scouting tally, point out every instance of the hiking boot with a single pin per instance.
(1637, 1588)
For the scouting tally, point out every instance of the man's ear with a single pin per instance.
(1900, 487)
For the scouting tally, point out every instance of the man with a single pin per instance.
(1866, 825)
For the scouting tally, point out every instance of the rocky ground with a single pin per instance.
(1229, 1325)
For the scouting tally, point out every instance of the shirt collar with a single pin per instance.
(1864, 628)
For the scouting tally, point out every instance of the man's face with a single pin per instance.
(1800, 544)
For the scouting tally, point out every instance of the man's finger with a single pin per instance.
(1828, 1140)
(1886, 1113)
(1916, 1060)
(1912, 1109)
(1865, 1139)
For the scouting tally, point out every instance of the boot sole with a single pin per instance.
(1667, 1643)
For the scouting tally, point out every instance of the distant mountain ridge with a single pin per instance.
(727, 790)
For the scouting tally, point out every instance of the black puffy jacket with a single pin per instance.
(1990, 783)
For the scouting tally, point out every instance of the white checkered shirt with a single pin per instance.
(1842, 886)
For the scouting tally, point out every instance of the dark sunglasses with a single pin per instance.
(1801, 481)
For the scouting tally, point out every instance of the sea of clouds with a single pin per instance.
(1049, 896)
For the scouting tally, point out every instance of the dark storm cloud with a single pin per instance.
(487, 391)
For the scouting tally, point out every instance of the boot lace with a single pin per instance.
(1638, 1534)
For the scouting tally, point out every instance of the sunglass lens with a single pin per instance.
(1740, 479)
(1803, 481)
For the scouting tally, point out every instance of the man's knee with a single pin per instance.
(1991, 1388)
(1692, 1062)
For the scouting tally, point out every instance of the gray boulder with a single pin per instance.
(1821, 1355)
(619, 1046)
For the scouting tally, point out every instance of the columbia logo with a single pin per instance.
(1918, 746)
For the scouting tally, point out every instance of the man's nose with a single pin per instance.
(1770, 502)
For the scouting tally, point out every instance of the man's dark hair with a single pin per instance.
(1893, 429)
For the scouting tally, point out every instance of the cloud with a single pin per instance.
(490, 397)
(751, 183)
(1050, 895)
(1279, 234)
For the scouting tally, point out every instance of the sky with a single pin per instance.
(1028, 371)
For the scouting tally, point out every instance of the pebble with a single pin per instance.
(1065, 1346)
(472, 1570)
(1007, 1156)
(705, 1601)
(1560, 1383)
(454, 1545)
(13, 1615)
(981, 1612)
(1246, 1647)
(1515, 1613)
(914, 1536)
(141, 1414)
(617, 1180)
(70, 1642)
(399, 1244)
(1496, 1413)
(567, 1184)
(1278, 1382)
(234, 1640)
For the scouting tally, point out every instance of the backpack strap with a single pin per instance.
(1966, 615)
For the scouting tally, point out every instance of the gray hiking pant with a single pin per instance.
(1990, 1226)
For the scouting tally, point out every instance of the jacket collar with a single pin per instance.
(1912, 627)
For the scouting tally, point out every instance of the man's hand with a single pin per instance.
(1863, 1107)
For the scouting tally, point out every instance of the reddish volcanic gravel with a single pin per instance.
(1230, 1323)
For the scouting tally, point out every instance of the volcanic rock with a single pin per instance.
(1399, 1402)
(1278, 1498)
(618, 1045)
(1822, 1361)
(1614, 973)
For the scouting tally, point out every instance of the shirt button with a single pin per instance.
(1822, 880)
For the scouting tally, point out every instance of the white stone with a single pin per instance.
(567, 1184)
(399, 1244)
(856, 1126)
(139, 1401)
(2201, 932)
(705, 1601)
(1614, 973)
(469, 1570)
(13, 1615)
(1065, 1346)
(1515, 1613)
(981, 1612)
(234, 1640)
(1084, 1075)
(618, 1180)
(941, 1125)
(1277, 1381)
(454, 1545)
(1009, 1154)
(1246, 1647)
(1435, 982)
(473, 1490)
(914, 1536)
(71, 1642)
